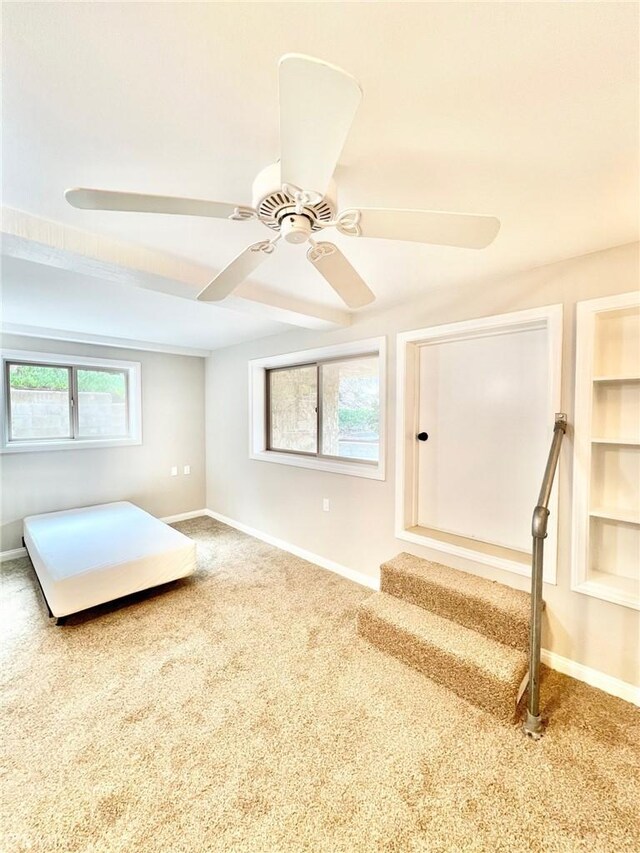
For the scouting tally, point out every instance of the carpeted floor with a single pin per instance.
(239, 711)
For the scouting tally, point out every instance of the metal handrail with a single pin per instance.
(533, 722)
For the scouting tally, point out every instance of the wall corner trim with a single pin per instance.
(12, 554)
(184, 516)
(316, 559)
(594, 677)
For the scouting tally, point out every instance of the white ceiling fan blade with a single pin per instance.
(236, 272)
(336, 269)
(88, 199)
(317, 104)
(465, 230)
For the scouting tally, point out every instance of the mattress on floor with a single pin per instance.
(84, 557)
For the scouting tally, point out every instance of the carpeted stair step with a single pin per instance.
(477, 668)
(490, 608)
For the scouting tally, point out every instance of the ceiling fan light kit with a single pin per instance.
(297, 196)
(296, 228)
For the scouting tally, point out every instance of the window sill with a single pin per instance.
(70, 444)
(334, 466)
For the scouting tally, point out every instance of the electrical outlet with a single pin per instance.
(174, 471)
(186, 469)
(325, 504)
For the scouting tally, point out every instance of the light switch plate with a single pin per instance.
(186, 469)
(174, 471)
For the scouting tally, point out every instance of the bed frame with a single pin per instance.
(57, 620)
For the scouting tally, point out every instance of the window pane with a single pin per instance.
(293, 398)
(39, 402)
(351, 408)
(102, 403)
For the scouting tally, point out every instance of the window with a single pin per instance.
(321, 409)
(62, 401)
(329, 408)
(293, 409)
(39, 402)
(350, 411)
(102, 403)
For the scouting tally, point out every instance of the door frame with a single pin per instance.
(550, 318)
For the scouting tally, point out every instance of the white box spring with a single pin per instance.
(84, 557)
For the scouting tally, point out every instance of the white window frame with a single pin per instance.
(258, 368)
(549, 317)
(134, 402)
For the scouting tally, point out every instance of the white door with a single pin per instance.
(484, 403)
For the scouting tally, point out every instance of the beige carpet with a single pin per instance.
(465, 632)
(478, 669)
(494, 610)
(239, 711)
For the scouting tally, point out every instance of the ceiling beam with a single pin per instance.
(54, 244)
(23, 331)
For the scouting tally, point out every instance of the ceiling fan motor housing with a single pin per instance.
(275, 204)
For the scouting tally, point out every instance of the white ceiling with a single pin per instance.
(87, 306)
(522, 110)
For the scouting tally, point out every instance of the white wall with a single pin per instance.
(172, 434)
(286, 502)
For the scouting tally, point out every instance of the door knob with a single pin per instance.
(422, 436)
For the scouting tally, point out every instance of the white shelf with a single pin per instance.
(628, 516)
(616, 582)
(607, 588)
(622, 442)
(606, 519)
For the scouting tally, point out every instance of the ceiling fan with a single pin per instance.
(296, 197)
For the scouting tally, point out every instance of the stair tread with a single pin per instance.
(515, 602)
(500, 662)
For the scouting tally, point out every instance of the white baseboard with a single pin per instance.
(184, 516)
(350, 574)
(12, 554)
(604, 682)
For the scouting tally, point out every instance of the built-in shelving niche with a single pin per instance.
(606, 547)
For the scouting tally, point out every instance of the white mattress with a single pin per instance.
(87, 556)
